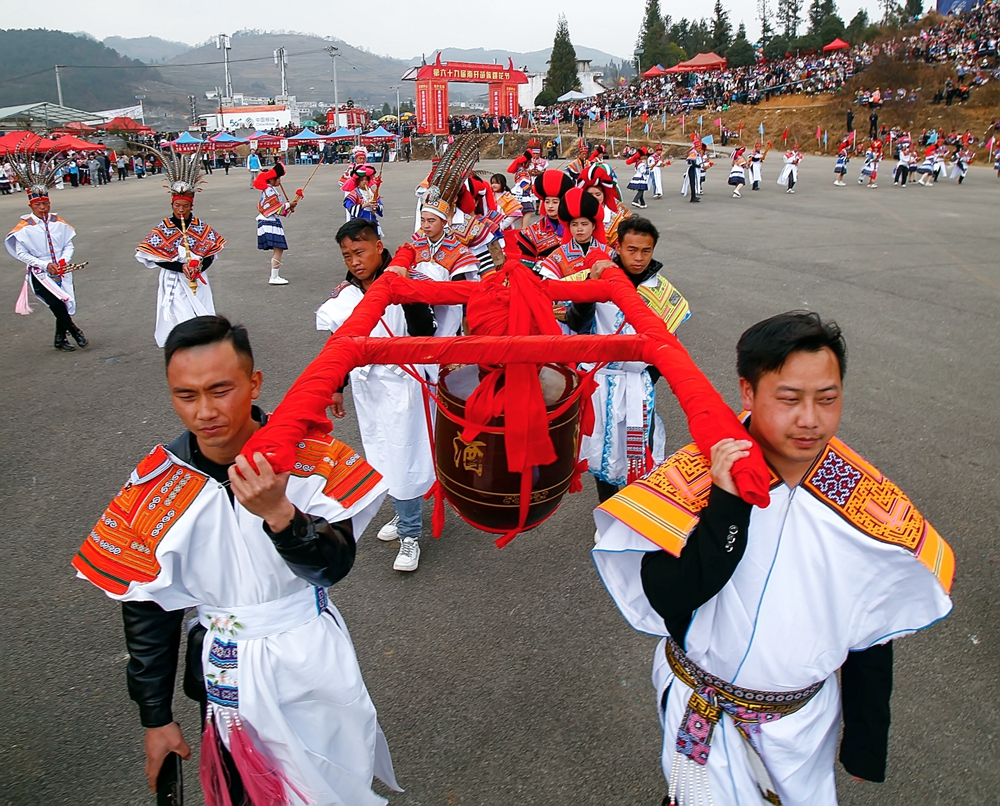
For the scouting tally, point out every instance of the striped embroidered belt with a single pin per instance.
(711, 698)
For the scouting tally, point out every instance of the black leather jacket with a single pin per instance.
(319, 552)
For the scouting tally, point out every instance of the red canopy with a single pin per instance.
(122, 124)
(700, 63)
(654, 71)
(80, 127)
(26, 141)
(70, 143)
(836, 44)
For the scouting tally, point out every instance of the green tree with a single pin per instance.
(913, 9)
(790, 17)
(562, 76)
(722, 30)
(675, 55)
(546, 98)
(764, 15)
(740, 53)
(816, 16)
(832, 28)
(776, 49)
(856, 27)
(652, 39)
(386, 109)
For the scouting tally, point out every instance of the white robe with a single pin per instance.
(27, 243)
(388, 403)
(623, 396)
(176, 301)
(756, 169)
(300, 690)
(656, 173)
(810, 588)
(790, 169)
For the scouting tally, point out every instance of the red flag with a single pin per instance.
(819, 132)
(741, 127)
(784, 134)
(682, 120)
(717, 122)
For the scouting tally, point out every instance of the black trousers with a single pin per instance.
(693, 181)
(64, 322)
(605, 490)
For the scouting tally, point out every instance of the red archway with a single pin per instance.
(432, 90)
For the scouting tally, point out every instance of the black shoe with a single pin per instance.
(62, 343)
(78, 336)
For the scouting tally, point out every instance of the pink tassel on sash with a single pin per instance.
(23, 307)
(212, 772)
(263, 783)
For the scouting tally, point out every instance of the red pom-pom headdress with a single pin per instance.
(551, 183)
(577, 203)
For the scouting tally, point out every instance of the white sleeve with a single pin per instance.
(22, 254)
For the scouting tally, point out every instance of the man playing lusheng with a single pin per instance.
(287, 716)
(760, 607)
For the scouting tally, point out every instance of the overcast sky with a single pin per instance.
(611, 27)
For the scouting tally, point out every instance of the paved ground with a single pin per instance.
(507, 677)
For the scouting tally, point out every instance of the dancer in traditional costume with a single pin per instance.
(692, 175)
(760, 607)
(600, 183)
(840, 169)
(531, 244)
(513, 215)
(44, 243)
(628, 437)
(940, 161)
(926, 168)
(790, 172)
(873, 156)
(182, 247)
(738, 171)
(960, 168)
(579, 164)
(287, 716)
(272, 207)
(525, 169)
(386, 399)
(640, 178)
(756, 167)
(583, 239)
(359, 158)
(434, 252)
(363, 200)
(902, 172)
(656, 163)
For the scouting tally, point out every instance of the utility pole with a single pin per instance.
(58, 85)
(396, 87)
(281, 59)
(222, 41)
(334, 53)
(193, 100)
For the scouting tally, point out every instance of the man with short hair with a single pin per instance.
(199, 525)
(628, 436)
(759, 607)
(44, 243)
(386, 399)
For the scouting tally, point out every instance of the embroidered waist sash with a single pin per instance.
(711, 699)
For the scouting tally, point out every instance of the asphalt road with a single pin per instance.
(508, 677)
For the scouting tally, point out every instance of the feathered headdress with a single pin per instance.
(182, 171)
(449, 176)
(35, 177)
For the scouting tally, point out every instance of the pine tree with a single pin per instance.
(913, 8)
(764, 15)
(562, 76)
(652, 38)
(815, 16)
(740, 53)
(722, 31)
(790, 17)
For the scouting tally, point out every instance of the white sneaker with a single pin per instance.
(736, 194)
(277, 281)
(409, 555)
(389, 532)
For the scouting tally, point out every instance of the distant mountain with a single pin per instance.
(91, 87)
(361, 76)
(536, 61)
(149, 49)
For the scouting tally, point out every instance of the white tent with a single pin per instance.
(573, 95)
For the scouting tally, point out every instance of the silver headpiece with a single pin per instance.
(35, 176)
(182, 171)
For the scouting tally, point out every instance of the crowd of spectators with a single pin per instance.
(968, 39)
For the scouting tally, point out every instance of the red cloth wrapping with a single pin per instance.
(303, 410)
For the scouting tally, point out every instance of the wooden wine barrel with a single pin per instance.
(474, 474)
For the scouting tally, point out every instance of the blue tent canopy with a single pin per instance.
(379, 134)
(305, 136)
(185, 139)
(225, 138)
(343, 133)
